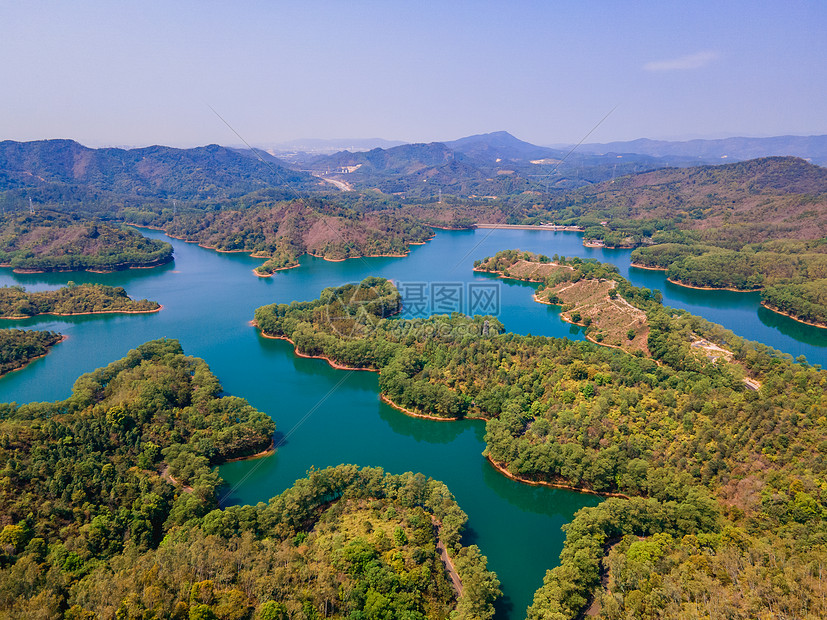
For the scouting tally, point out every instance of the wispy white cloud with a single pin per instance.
(682, 63)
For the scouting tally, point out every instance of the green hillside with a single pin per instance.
(58, 242)
(62, 170)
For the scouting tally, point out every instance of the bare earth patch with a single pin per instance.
(612, 320)
(533, 271)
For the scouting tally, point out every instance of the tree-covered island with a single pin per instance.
(588, 292)
(281, 231)
(16, 302)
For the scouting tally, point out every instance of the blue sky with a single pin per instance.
(118, 73)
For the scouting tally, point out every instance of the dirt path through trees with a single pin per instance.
(446, 559)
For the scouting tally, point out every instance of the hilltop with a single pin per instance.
(502, 145)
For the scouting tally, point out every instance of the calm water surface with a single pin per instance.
(325, 416)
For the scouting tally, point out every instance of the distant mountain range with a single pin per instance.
(321, 146)
(811, 148)
(498, 163)
(65, 171)
(486, 165)
(482, 165)
(501, 144)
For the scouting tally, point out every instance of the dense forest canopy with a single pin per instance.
(108, 505)
(803, 300)
(683, 430)
(342, 543)
(16, 302)
(792, 275)
(18, 347)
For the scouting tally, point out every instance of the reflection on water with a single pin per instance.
(439, 432)
(797, 331)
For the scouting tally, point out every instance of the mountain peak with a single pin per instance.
(493, 136)
(499, 145)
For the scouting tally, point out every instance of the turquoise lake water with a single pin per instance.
(326, 416)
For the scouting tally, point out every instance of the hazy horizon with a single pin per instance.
(135, 75)
(326, 142)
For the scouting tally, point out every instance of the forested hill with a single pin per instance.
(58, 242)
(772, 197)
(53, 167)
